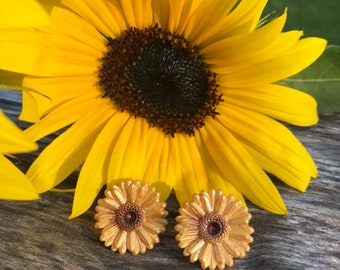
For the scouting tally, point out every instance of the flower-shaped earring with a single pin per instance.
(131, 217)
(214, 229)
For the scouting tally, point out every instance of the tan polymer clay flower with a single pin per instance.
(131, 217)
(214, 229)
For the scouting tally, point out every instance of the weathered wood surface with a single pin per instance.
(38, 235)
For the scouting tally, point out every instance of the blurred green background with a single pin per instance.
(315, 17)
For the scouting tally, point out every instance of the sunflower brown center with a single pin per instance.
(129, 216)
(213, 228)
(159, 76)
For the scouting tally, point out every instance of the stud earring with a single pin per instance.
(214, 229)
(131, 217)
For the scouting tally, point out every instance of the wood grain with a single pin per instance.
(38, 235)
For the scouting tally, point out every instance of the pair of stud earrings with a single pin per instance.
(212, 228)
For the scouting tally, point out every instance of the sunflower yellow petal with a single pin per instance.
(71, 25)
(61, 157)
(22, 13)
(162, 175)
(93, 175)
(46, 58)
(246, 11)
(156, 147)
(291, 175)
(83, 50)
(207, 15)
(14, 184)
(249, 58)
(14, 49)
(41, 94)
(216, 182)
(98, 14)
(12, 139)
(76, 30)
(57, 62)
(243, 45)
(30, 111)
(134, 154)
(240, 169)
(194, 178)
(128, 154)
(118, 15)
(180, 13)
(138, 13)
(280, 102)
(304, 53)
(161, 10)
(274, 140)
(61, 117)
(58, 89)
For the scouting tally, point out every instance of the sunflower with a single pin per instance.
(181, 94)
(214, 229)
(131, 217)
(14, 184)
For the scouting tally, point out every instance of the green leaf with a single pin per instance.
(321, 80)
